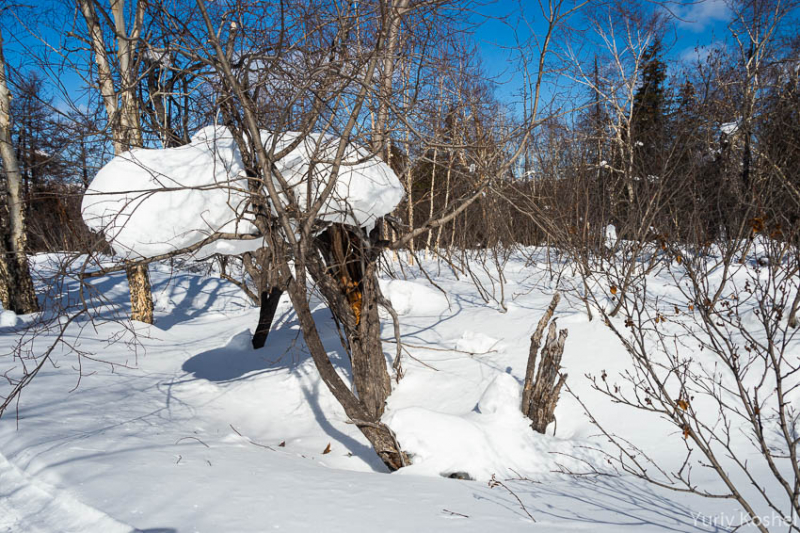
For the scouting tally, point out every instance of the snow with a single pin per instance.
(494, 439)
(610, 236)
(150, 202)
(729, 128)
(407, 296)
(366, 188)
(193, 430)
(476, 342)
(8, 319)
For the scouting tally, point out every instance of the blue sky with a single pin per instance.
(694, 28)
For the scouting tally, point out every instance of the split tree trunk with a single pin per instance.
(540, 392)
(16, 286)
(349, 283)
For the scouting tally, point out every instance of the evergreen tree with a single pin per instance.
(648, 123)
(649, 103)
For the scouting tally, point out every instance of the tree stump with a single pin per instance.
(542, 387)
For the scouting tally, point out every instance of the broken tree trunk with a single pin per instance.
(349, 283)
(542, 387)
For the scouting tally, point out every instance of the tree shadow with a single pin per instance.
(237, 359)
(178, 296)
(617, 501)
(364, 452)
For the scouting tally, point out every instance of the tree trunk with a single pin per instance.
(16, 286)
(396, 10)
(349, 283)
(370, 375)
(123, 114)
(141, 298)
(269, 304)
(378, 434)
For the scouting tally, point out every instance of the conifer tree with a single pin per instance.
(649, 122)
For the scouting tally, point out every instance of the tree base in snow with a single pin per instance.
(141, 294)
(540, 394)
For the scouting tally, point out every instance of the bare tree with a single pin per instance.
(16, 286)
(122, 109)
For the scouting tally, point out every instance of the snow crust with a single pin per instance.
(150, 202)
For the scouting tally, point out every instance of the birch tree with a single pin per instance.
(16, 286)
(122, 109)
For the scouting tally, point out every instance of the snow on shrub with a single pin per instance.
(151, 202)
(366, 188)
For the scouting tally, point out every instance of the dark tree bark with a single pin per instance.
(349, 282)
(269, 304)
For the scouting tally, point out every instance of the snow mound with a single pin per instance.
(150, 202)
(502, 397)
(473, 342)
(493, 439)
(8, 319)
(410, 297)
(610, 236)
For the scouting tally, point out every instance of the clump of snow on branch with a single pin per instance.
(366, 188)
(152, 202)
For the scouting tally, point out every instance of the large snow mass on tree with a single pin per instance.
(151, 202)
(366, 188)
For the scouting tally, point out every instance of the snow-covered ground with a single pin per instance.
(185, 428)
